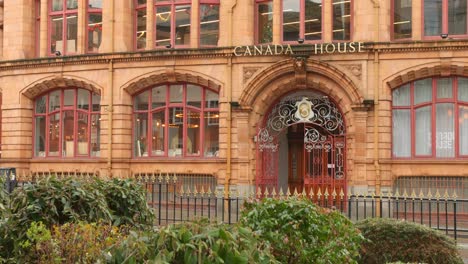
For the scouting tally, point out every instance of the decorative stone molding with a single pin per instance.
(354, 69)
(300, 64)
(249, 72)
(58, 82)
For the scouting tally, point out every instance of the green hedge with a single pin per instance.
(301, 232)
(390, 240)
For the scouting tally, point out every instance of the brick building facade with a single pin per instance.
(94, 86)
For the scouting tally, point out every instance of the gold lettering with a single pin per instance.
(288, 50)
(361, 46)
(344, 47)
(351, 47)
(235, 51)
(328, 45)
(277, 51)
(268, 51)
(247, 51)
(321, 48)
(258, 49)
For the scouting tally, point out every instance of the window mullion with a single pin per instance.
(456, 116)
(445, 29)
(184, 121)
(413, 121)
(302, 19)
(433, 118)
(149, 138)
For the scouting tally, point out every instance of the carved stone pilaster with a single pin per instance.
(300, 71)
(249, 72)
(354, 69)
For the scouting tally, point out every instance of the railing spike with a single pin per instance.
(397, 194)
(454, 196)
(429, 194)
(160, 178)
(267, 193)
(288, 193)
(259, 192)
(326, 194)
(168, 179)
(413, 195)
(421, 194)
(304, 194)
(390, 193)
(437, 195)
(319, 193)
(273, 193)
(334, 194)
(281, 193)
(202, 192)
(446, 195)
(311, 193)
(405, 195)
(181, 192)
(341, 194)
(209, 191)
(296, 194)
(175, 178)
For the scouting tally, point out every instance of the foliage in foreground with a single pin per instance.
(390, 240)
(55, 202)
(301, 232)
(192, 243)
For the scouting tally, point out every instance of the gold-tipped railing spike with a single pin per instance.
(311, 193)
(373, 195)
(334, 194)
(326, 194)
(202, 191)
(341, 194)
(288, 193)
(437, 195)
(295, 193)
(319, 193)
(152, 178)
(446, 195)
(304, 194)
(429, 194)
(219, 193)
(209, 191)
(181, 191)
(421, 194)
(281, 193)
(397, 194)
(274, 194)
(413, 195)
(168, 179)
(259, 192)
(266, 193)
(405, 195)
(160, 178)
(454, 196)
(174, 178)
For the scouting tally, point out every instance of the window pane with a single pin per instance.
(176, 128)
(182, 34)
(176, 92)
(68, 126)
(401, 96)
(54, 100)
(94, 32)
(41, 104)
(209, 25)
(193, 133)
(141, 139)
(341, 19)
(444, 88)
(96, 102)
(72, 33)
(423, 91)
(194, 95)
(432, 17)
(401, 133)
(83, 130)
(211, 141)
(141, 101)
(72, 4)
(95, 135)
(158, 137)
(54, 134)
(402, 19)
(141, 29)
(159, 96)
(39, 136)
(463, 89)
(463, 119)
(457, 17)
(291, 20)
(313, 20)
(445, 139)
(83, 99)
(57, 5)
(56, 34)
(141, 2)
(69, 98)
(265, 22)
(163, 26)
(423, 130)
(211, 99)
(96, 4)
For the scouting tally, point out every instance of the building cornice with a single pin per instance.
(225, 52)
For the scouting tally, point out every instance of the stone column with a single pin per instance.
(150, 25)
(416, 17)
(277, 13)
(194, 24)
(327, 21)
(43, 30)
(18, 26)
(82, 27)
(123, 36)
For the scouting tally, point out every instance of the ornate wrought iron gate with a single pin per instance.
(324, 143)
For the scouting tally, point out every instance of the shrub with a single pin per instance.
(197, 242)
(390, 240)
(127, 202)
(301, 232)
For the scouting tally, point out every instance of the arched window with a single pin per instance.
(67, 124)
(94, 18)
(176, 120)
(63, 21)
(430, 119)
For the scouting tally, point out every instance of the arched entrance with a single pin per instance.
(301, 145)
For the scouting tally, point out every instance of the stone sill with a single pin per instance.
(182, 161)
(426, 161)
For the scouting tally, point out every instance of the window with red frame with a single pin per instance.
(67, 124)
(140, 16)
(94, 18)
(63, 22)
(341, 19)
(430, 119)
(402, 18)
(445, 17)
(302, 20)
(264, 21)
(176, 120)
(209, 22)
(173, 23)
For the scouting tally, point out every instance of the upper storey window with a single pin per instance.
(209, 22)
(67, 124)
(302, 20)
(173, 23)
(264, 9)
(445, 17)
(63, 18)
(402, 18)
(176, 120)
(140, 15)
(341, 19)
(94, 18)
(430, 119)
